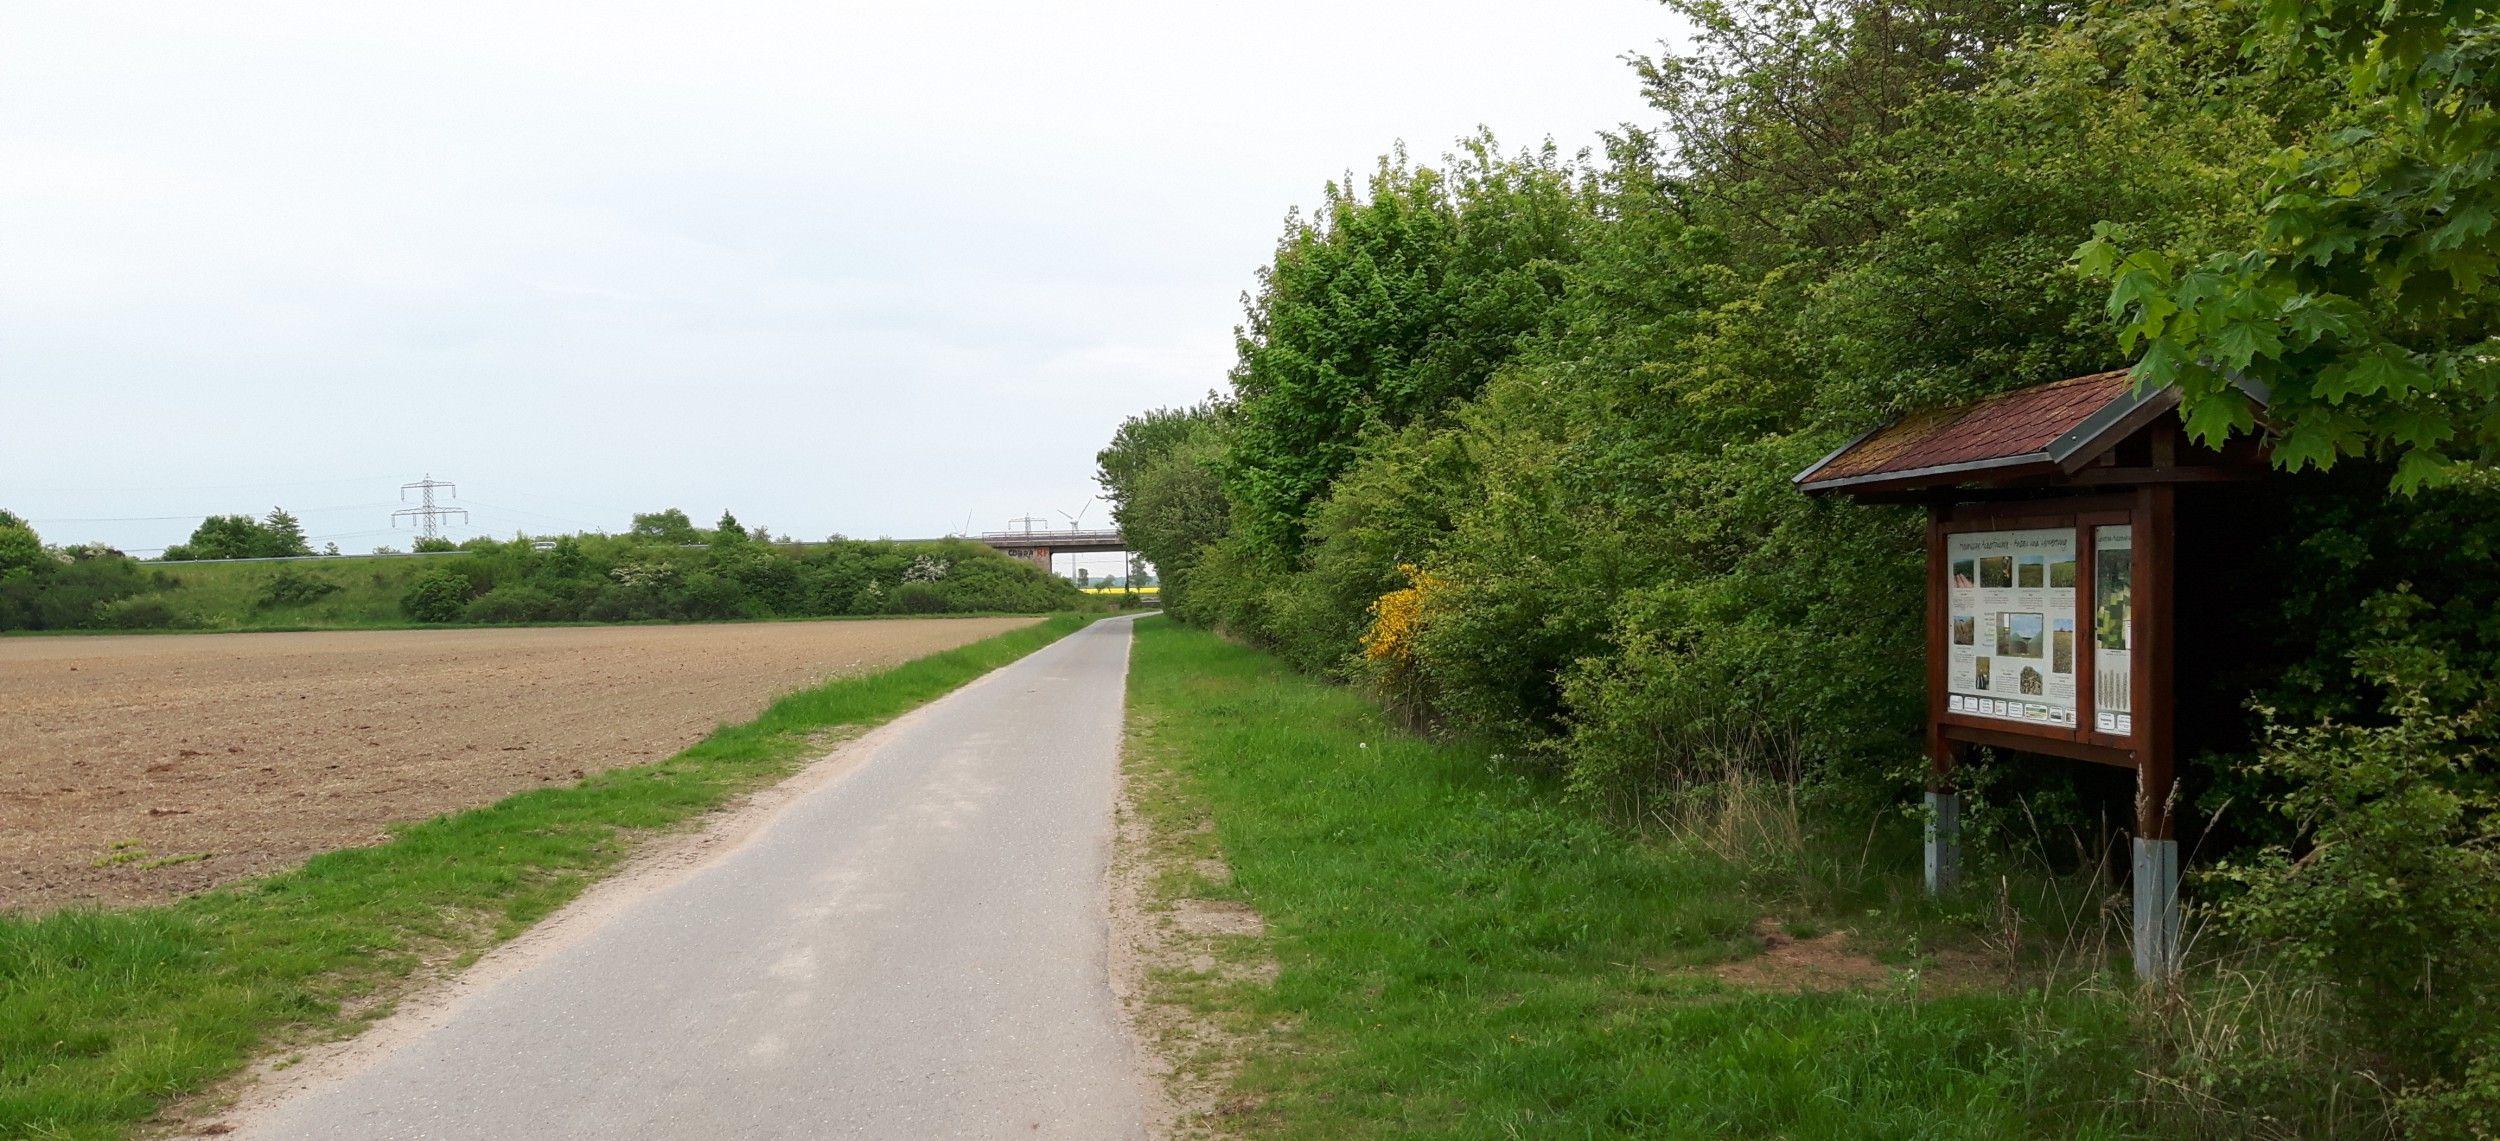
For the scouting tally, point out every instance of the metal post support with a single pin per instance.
(2156, 891)
(1944, 842)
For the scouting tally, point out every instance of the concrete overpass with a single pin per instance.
(1039, 546)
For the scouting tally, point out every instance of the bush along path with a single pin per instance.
(1457, 954)
(106, 1016)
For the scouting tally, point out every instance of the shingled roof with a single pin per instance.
(2053, 428)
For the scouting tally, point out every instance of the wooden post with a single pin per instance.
(2156, 848)
(1944, 803)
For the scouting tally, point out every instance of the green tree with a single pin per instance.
(284, 534)
(667, 526)
(2363, 309)
(1785, 112)
(1167, 495)
(243, 537)
(21, 550)
(1391, 303)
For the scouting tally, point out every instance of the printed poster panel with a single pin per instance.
(2013, 645)
(2113, 633)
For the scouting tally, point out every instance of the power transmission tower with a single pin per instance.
(427, 517)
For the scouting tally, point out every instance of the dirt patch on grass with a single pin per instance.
(1216, 917)
(1792, 965)
(137, 769)
(1169, 946)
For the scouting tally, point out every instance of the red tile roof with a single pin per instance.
(2008, 427)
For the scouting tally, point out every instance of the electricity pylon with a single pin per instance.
(427, 517)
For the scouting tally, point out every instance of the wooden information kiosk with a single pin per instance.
(2052, 546)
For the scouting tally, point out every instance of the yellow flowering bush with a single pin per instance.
(1398, 616)
(1389, 644)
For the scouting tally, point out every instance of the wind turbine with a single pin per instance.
(1076, 522)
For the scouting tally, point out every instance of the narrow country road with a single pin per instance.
(915, 949)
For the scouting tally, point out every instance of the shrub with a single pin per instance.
(620, 603)
(438, 596)
(2391, 887)
(917, 598)
(58, 595)
(513, 603)
(138, 614)
(291, 587)
(1389, 644)
(708, 595)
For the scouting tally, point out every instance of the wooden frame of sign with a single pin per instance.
(2052, 551)
(2133, 729)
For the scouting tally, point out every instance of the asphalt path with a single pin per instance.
(917, 948)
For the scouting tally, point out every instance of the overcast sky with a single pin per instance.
(866, 268)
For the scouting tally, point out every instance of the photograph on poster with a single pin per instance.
(1982, 674)
(2031, 572)
(2114, 575)
(1965, 574)
(1965, 629)
(2113, 629)
(2018, 635)
(2032, 682)
(1996, 573)
(2062, 575)
(2062, 646)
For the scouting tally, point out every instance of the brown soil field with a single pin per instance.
(134, 769)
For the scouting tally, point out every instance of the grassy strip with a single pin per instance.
(106, 1015)
(1462, 956)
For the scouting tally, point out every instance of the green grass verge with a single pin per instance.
(1461, 955)
(105, 1015)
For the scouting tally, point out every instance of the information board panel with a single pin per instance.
(2012, 643)
(2113, 634)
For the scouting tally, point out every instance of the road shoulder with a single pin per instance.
(1181, 934)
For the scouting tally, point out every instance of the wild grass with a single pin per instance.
(1466, 954)
(224, 596)
(106, 1015)
(1463, 954)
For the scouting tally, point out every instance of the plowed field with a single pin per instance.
(135, 769)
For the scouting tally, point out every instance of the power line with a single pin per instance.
(572, 502)
(14, 489)
(199, 515)
(484, 506)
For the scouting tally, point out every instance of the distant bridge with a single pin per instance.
(1039, 546)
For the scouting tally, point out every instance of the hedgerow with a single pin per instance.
(1569, 393)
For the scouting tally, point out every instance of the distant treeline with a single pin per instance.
(665, 569)
(731, 575)
(1509, 439)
